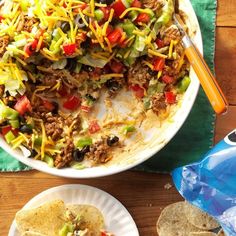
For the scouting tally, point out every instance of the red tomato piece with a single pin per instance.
(109, 29)
(85, 108)
(115, 36)
(94, 127)
(118, 7)
(6, 129)
(31, 47)
(106, 12)
(158, 63)
(23, 105)
(48, 105)
(170, 97)
(143, 18)
(167, 79)
(116, 66)
(69, 49)
(160, 43)
(136, 3)
(138, 91)
(1, 18)
(72, 103)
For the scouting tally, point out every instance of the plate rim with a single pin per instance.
(44, 193)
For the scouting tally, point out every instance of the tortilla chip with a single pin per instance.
(172, 221)
(199, 218)
(47, 219)
(91, 217)
(221, 233)
(202, 234)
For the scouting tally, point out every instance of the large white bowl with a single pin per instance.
(165, 134)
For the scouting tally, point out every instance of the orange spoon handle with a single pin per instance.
(206, 78)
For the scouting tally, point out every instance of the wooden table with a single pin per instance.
(143, 194)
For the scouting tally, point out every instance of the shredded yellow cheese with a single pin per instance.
(133, 9)
(148, 64)
(159, 74)
(155, 53)
(112, 75)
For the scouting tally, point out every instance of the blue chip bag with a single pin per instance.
(211, 183)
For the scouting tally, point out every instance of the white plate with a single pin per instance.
(162, 135)
(117, 218)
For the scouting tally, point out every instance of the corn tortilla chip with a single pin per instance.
(47, 219)
(202, 234)
(91, 217)
(173, 222)
(199, 218)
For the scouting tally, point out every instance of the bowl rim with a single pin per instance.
(105, 171)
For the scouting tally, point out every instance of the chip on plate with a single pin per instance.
(199, 218)
(47, 219)
(173, 222)
(91, 217)
(221, 233)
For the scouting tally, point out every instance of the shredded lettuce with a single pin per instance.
(91, 61)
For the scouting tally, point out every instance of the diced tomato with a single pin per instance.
(109, 29)
(167, 79)
(136, 3)
(69, 49)
(23, 105)
(72, 103)
(63, 92)
(143, 18)
(158, 63)
(1, 18)
(31, 47)
(48, 105)
(94, 127)
(138, 91)
(160, 43)
(6, 129)
(85, 108)
(39, 33)
(106, 12)
(116, 66)
(118, 7)
(115, 36)
(80, 6)
(170, 97)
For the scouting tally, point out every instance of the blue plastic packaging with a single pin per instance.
(211, 183)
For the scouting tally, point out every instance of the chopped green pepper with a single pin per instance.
(183, 84)
(8, 113)
(9, 137)
(99, 15)
(14, 123)
(49, 160)
(128, 129)
(67, 228)
(84, 142)
(38, 141)
(128, 27)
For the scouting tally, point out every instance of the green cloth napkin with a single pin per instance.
(196, 135)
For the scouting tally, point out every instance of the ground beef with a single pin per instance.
(99, 152)
(53, 123)
(26, 23)
(4, 41)
(139, 74)
(153, 4)
(65, 157)
(54, 126)
(170, 33)
(158, 103)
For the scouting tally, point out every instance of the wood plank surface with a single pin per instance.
(226, 13)
(142, 193)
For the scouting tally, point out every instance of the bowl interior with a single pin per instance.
(158, 135)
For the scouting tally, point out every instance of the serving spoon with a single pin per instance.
(206, 78)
